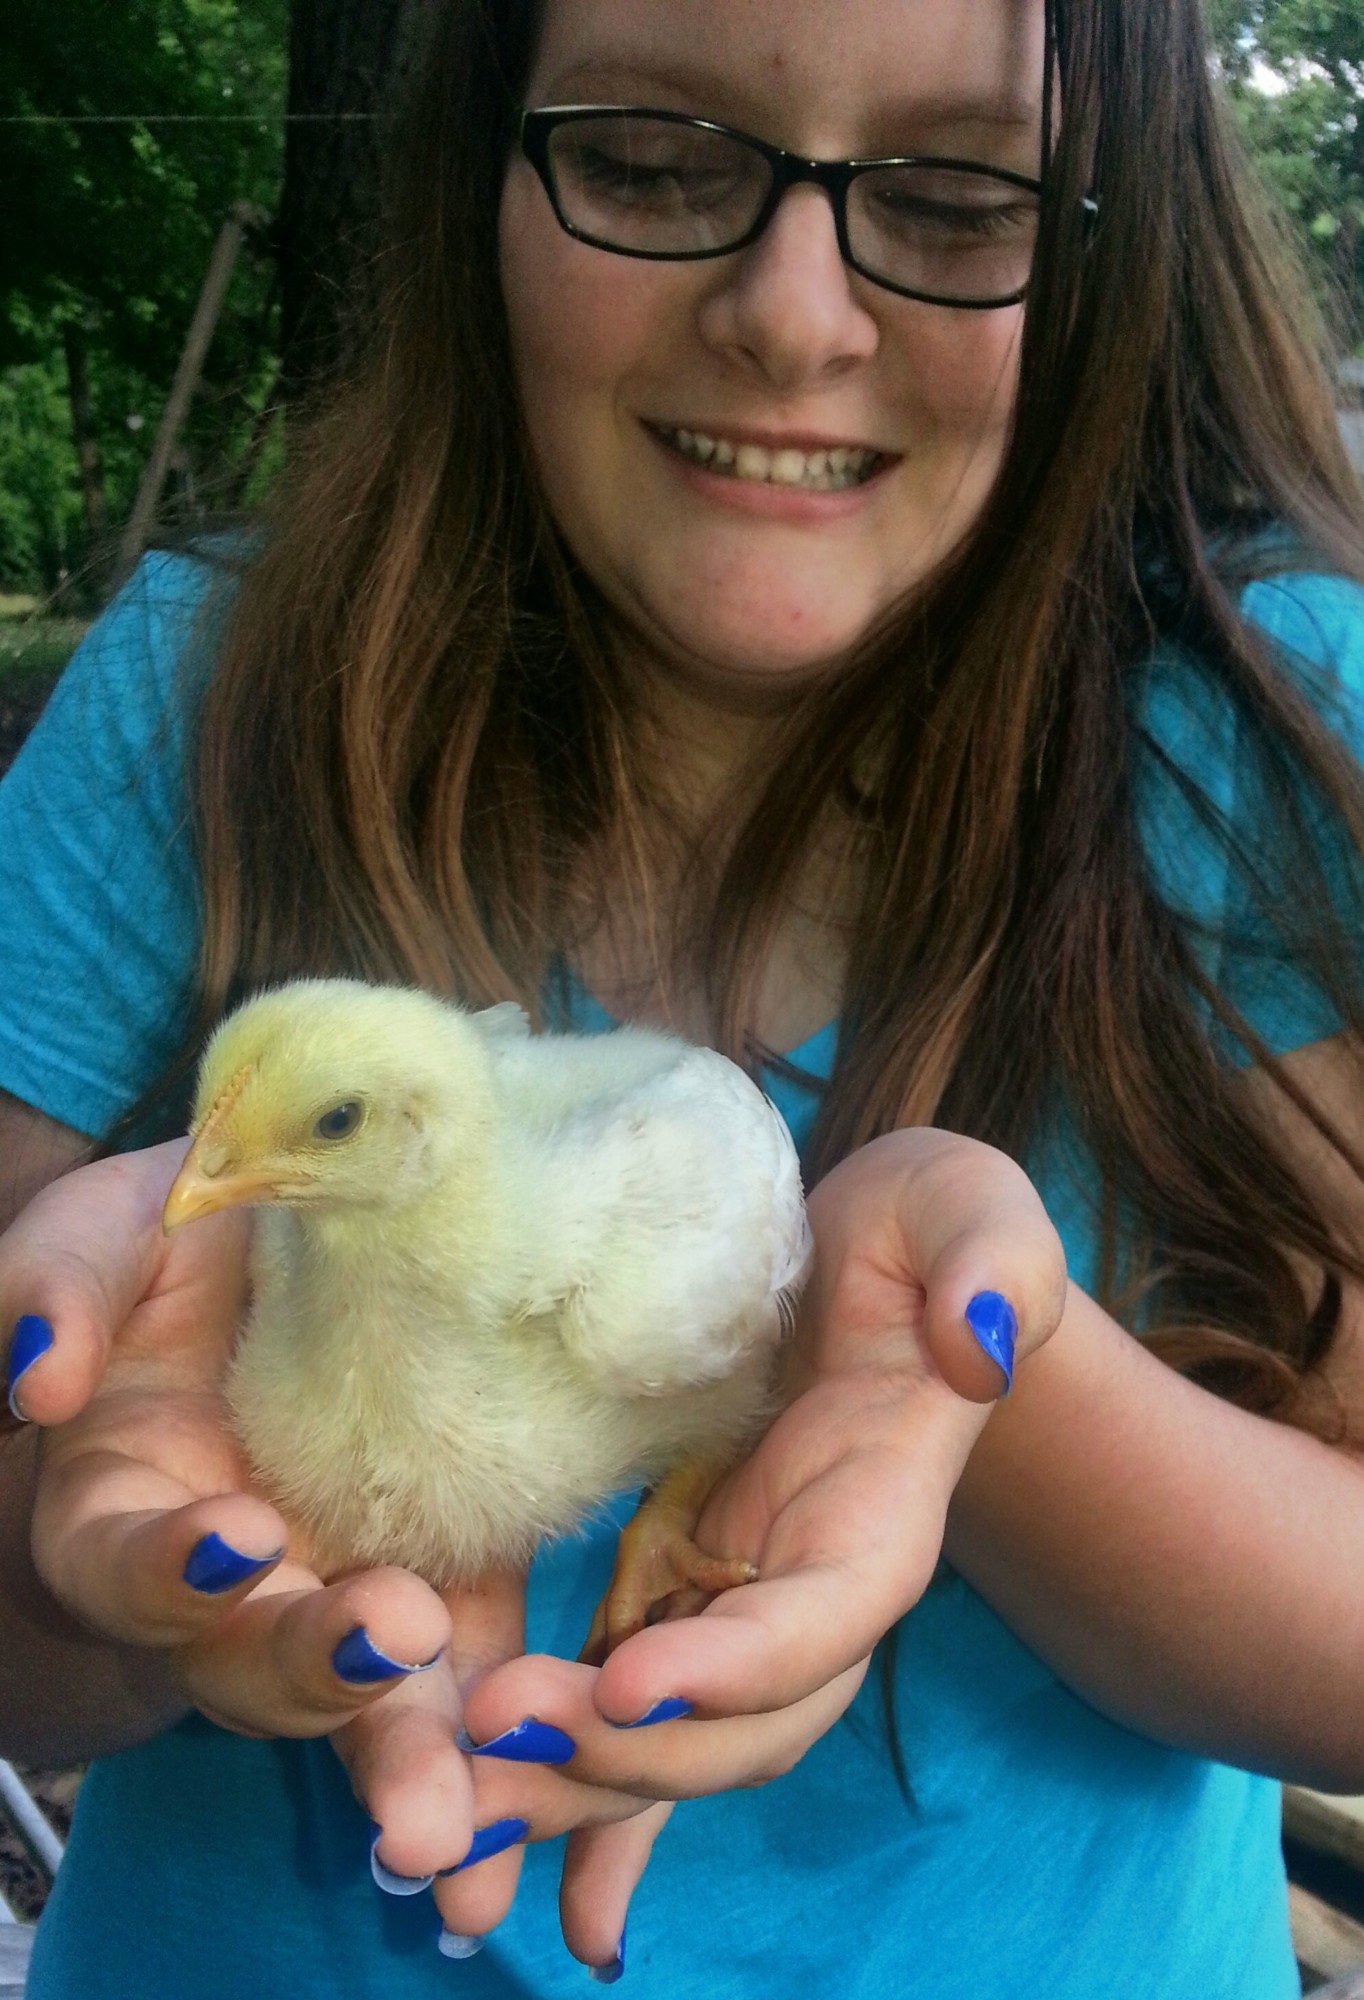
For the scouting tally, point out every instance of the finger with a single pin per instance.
(602, 1865)
(299, 1659)
(73, 1266)
(687, 1757)
(949, 1221)
(130, 1551)
(515, 1803)
(406, 1771)
(994, 1269)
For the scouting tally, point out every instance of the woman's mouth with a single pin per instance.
(830, 469)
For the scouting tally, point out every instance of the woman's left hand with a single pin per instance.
(841, 1508)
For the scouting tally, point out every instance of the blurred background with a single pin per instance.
(195, 177)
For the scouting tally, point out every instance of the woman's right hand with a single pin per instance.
(144, 1527)
(139, 1482)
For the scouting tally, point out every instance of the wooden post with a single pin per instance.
(241, 217)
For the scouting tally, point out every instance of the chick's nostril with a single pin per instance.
(213, 1159)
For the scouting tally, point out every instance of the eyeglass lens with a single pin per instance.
(666, 189)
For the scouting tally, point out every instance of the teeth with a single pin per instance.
(821, 471)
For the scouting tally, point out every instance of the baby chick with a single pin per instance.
(498, 1276)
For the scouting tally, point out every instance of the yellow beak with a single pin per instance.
(212, 1174)
(197, 1193)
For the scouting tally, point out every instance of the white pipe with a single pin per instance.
(24, 1816)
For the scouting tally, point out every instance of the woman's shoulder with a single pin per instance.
(126, 696)
(1313, 617)
(152, 624)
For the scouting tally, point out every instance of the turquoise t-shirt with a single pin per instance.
(1047, 1852)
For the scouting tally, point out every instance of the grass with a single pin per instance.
(33, 651)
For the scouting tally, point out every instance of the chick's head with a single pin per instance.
(333, 1092)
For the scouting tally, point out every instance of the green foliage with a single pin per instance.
(119, 223)
(33, 652)
(1295, 70)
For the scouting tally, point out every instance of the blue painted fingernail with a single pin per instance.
(31, 1340)
(668, 1710)
(214, 1566)
(358, 1660)
(992, 1320)
(490, 1840)
(607, 1975)
(453, 1944)
(391, 1883)
(530, 1742)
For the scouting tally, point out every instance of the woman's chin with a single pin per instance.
(759, 656)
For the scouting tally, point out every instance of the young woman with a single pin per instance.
(842, 548)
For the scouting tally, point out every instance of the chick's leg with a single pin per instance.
(658, 1556)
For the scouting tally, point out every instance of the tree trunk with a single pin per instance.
(86, 442)
(347, 59)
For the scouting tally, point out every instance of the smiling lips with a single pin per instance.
(825, 470)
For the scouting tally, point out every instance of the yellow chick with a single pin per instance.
(498, 1276)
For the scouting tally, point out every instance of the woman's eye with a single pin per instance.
(966, 219)
(340, 1121)
(640, 184)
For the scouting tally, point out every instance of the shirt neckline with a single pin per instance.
(581, 1001)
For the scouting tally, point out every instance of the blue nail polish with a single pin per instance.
(991, 1319)
(358, 1660)
(393, 1884)
(453, 1944)
(32, 1338)
(668, 1710)
(214, 1566)
(490, 1840)
(530, 1742)
(607, 1975)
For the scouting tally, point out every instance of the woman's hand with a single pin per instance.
(144, 1529)
(841, 1507)
(147, 1535)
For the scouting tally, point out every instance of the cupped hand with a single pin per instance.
(147, 1533)
(145, 1529)
(841, 1507)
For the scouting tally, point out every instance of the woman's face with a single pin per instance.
(745, 587)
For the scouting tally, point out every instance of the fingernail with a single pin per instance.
(607, 1975)
(668, 1710)
(490, 1840)
(530, 1742)
(455, 1945)
(214, 1566)
(358, 1660)
(391, 1883)
(31, 1340)
(992, 1320)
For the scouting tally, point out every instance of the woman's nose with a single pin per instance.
(785, 308)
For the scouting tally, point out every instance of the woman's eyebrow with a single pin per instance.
(602, 82)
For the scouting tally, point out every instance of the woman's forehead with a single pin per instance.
(875, 69)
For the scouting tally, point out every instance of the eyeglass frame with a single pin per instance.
(788, 170)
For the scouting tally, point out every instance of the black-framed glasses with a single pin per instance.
(660, 184)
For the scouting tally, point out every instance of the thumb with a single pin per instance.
(73, 1266)
(993, 1267)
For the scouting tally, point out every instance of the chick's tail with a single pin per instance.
(657, 1558)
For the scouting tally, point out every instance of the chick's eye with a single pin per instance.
(340, 1121)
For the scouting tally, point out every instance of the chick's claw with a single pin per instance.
(658, 1561)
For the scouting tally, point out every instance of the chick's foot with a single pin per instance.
(657, 1559)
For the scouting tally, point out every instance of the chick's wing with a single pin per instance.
(678, 1204)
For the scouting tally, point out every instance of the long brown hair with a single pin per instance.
(416, 721)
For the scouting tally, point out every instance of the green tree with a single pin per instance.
(120, 220)
(1295, 69)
